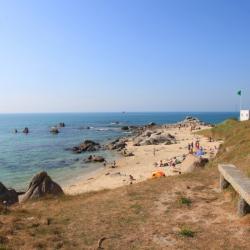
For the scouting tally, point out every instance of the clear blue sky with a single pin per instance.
(115, 55)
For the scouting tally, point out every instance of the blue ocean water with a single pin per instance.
(22, 156)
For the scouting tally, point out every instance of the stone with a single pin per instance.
(54, 130)
(61, 124)
(125, 128)
(40, 186)
(118, 144)
(26, 130)
(8, 195)
(93, 158)
(148, 133)
(87, 145)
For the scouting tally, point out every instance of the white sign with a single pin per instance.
(244, 115)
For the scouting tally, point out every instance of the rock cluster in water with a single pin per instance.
(87, 145)
(54, 130)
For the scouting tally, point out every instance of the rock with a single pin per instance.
(93, 158)
(40, 186)
(158, 139)
(151, 124)
(148, 133)
(9, 195)
(87, 145)
(118, 144)
(129, 154)
(26, 130)
(125, 128)
(54, 130)
(61, 124)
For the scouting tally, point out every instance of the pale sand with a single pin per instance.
(142, 164)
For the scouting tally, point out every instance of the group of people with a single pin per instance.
(170, 163)
(194, 147)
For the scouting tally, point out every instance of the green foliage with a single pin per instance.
(185, 201)
(186, 232)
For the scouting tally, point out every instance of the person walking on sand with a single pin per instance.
(154, 152)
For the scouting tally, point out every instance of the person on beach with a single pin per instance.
(154, 152)
(197, 144)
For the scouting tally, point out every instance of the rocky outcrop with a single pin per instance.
(8, 195)
(87, 145)
(192, 121)
(118, 144)
(94, 158)
(152, 124)
(61, 124)
(148, 138)
(26, 130)
(54, 130)
(40, 186)
(125, 128)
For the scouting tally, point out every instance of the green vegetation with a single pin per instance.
(185, 201)
(236, 146)
(186, 232)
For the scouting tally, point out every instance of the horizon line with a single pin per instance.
(116, 112)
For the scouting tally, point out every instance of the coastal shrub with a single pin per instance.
(186, 232)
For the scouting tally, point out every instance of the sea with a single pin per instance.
(22, 156)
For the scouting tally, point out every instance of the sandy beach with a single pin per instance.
(147, 159)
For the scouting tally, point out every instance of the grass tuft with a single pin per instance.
(186, 232)
(185, 201)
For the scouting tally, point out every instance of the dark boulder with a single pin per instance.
(54, 130)
(61, 124)
(40, 186)
(93, 158)
(87, 145)
(9, 195)
(26, 130)
(118, 144)
(125, 128)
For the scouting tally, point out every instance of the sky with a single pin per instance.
(124, 55)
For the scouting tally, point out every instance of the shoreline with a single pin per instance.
(142, 163)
